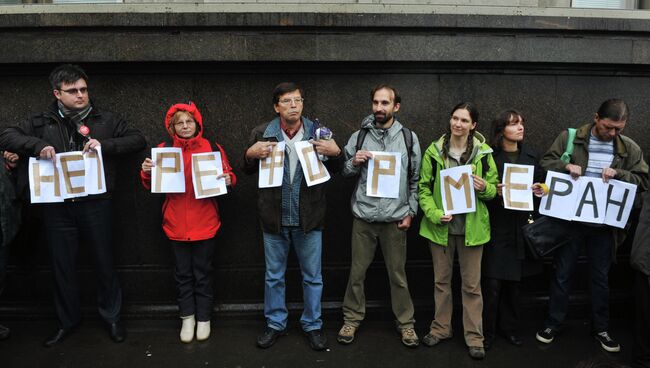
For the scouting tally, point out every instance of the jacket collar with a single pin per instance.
(582, 137)
(273, 130)
(368, 123)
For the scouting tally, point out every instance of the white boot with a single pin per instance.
(203, 330)
(187, 329)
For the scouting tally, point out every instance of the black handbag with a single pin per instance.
(547, 234)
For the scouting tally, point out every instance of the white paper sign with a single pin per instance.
(312, 168)
(620, 199)
(76, 174)
(384, 172)
(561, 200)
(271, 168)
(206, 167)
(457, 190)
(591, 205)
(168, 173)
(517, 182)
(95, 182)
(588, 199)
(71, 167)
(45, 184)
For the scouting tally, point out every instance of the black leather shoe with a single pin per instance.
(58, 336)
(317, 339)
(116, 331)
(514, 340)
(267, 339)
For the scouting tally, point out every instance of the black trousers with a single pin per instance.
(500, 307)
(642, 321)
(194, 277)
(88, 224)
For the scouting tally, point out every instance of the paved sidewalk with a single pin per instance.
(155, 343)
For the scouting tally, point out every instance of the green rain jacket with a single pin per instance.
(477, 224)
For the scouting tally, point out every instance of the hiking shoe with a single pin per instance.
(346, 334)
(546, 335)
(476, 352)
(607, 343)
(409, 337)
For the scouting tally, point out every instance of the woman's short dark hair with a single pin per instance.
(68, 74)
(285, 87)
(499, 124)
(614, 109)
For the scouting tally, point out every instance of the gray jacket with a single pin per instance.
(374, 209)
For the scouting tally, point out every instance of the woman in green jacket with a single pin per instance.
(462, 233)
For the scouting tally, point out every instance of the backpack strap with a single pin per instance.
(566, 156)
(360, 138)
(408, 140)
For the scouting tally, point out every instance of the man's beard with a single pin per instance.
(381, 121)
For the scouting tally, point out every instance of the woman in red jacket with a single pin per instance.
(190, 223)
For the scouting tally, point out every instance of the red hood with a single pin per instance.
(190, 107)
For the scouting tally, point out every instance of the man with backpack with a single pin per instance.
(378, 219)
(598, 150)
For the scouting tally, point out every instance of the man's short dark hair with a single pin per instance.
(285, 87)
(396, 100)
(614, 109)
(68, 74)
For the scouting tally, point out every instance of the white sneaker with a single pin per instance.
(187, 329)
(202, 330)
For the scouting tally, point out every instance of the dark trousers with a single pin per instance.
(88, 224)
(500, 307)
(642, 321)
(598, 243)
(194, 277)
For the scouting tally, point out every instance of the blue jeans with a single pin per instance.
(308, 247)
(599, 243)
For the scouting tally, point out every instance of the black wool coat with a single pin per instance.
(506, 256)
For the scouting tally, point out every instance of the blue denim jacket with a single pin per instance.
(290, 190)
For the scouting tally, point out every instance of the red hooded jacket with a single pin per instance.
(186, 218)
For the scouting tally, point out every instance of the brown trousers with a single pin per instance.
(469, 259)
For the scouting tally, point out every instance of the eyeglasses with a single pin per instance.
(181, 123)
(74, 91)
(288, 101)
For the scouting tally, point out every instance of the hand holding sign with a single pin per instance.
(457, 190)
(271, 168)
(384, 173)
(312, 168)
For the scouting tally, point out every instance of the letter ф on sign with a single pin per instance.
(322, 172)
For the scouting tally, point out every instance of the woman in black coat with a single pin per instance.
(505, 259)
